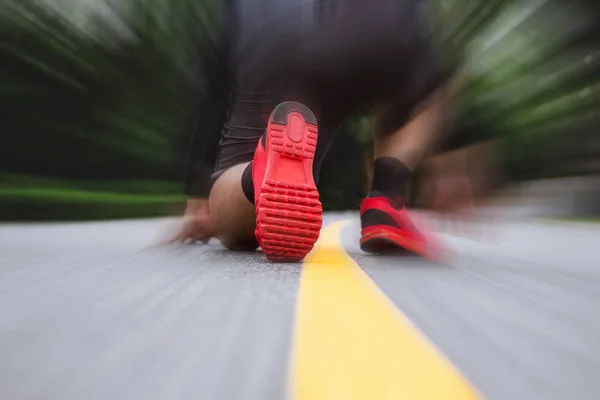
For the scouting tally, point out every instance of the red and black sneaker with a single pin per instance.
(289, 214)
(387, 228)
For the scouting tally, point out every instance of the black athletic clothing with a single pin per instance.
(211, 107)
(339, 57)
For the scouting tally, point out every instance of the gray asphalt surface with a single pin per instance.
(89, 311)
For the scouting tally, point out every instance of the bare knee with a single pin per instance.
(235, 242)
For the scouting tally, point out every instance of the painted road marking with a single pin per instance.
(351, 342)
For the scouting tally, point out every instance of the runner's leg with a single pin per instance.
(404, 130)
(232, 214)
(232, 197)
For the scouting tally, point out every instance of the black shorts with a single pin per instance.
(373, 57)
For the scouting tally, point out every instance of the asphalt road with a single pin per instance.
(91, 311)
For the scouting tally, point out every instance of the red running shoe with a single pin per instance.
(289, 214)
(387, 228)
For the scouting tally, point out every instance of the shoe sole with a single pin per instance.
(380, 240)
(390, 240)
(289, 214)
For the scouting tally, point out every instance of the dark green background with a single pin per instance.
(96, 114)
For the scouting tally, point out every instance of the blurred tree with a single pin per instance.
(527, 77)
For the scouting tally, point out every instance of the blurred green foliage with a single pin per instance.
(98, 98)
(530, 77)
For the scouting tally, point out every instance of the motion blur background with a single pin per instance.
(98, 99)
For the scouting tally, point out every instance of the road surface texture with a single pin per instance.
(92, 311)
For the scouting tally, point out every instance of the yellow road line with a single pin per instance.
(351, 342)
